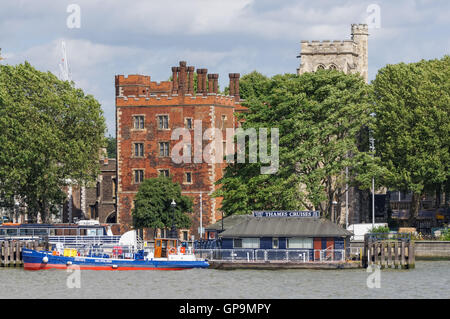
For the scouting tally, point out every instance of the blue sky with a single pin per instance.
(227, 36)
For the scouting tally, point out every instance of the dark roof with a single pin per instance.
(228, 222)
(285, 227)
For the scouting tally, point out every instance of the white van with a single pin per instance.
(359, 230)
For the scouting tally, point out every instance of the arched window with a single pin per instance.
(111, 219)
(320, 67)
(332, 67)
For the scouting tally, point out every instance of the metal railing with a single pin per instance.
(272, 255)
(84, 240)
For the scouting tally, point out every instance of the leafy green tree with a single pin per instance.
(111, 146)
(412, 132)
(152, 207)
(320, 117)
(51, 133)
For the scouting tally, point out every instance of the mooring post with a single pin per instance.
(2, 253)
(411, 255)
(375, 252)
(382, 255)
(17, 253)
(403, 254)
(11, 253)
(396, 259)
(364, 261)
(389, 248)
(6, 253)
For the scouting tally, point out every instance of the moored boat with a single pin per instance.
(167, 255)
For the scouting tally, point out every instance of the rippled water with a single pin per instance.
(429, 279)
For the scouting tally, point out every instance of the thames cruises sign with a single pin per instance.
(288, 213)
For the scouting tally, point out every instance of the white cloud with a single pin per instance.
(150, 36)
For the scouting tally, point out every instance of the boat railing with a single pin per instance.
(272, 255)
(83, 240)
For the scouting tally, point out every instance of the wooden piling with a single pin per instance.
(403, 255)
(375, 253)
(2, 253)
(389, 247)
(396, 259)
(383, 261)
(411, 255)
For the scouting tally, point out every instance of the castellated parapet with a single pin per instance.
(348, 56)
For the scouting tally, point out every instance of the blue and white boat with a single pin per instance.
(167, 254)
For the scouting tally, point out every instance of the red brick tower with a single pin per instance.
(146, 115)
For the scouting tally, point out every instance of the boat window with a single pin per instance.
(11, 232)
(237, 243)
(100, 232)
(164, 244)
(26, 232)
(2, 232)
(158, 243)
(83, 232)
(52, 232)
(40, 231)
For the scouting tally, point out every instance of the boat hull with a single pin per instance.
(34, 260)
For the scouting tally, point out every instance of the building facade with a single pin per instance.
(96, 201)
(348, 56)
(147, 113)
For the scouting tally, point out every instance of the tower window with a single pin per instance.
(163, 122)
(138, 176)
(138, 122)
(164, 149)
(138, 149)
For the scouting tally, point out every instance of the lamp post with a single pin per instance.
(372, 149)
(173, 230)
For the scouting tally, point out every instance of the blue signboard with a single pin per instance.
(288, 213)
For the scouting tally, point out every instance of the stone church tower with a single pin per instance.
(349, 56)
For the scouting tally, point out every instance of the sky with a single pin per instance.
(110, 37)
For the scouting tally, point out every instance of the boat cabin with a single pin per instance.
(165, 247)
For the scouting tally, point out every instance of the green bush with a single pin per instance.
(445, 235)
(380, 230)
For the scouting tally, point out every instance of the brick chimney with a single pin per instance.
(201, 81)
(175, 71)
(210, 83)
(182, 77)
(215, 82)
(190, 88)
(234, 85)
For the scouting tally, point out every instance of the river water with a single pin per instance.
(430, 279)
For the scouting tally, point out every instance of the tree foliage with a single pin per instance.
(111, 146)
(320, 117)
(51, 132)
(412, 132)
(152, 207)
